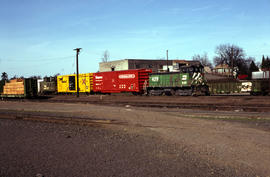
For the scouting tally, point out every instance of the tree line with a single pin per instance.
(4, 77)
(235, 57)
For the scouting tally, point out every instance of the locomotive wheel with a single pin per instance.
(172, 92)
(169, 92)
(151, 92)
(156, 92)
(137, 93)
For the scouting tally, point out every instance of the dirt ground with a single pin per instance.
(137, 141)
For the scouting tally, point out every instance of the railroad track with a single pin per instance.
(201, 106)
(33, 116)
(164, 104)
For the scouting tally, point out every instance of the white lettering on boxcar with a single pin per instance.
(99, 77)
(155, 79)
(184, 77)
(246, 86)
(126, 76)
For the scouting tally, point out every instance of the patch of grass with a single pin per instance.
(225, 117)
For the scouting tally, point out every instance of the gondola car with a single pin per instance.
(260, 83)
(260, 87)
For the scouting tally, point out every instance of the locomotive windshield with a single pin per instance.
(191, 69)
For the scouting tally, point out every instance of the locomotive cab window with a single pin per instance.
(201, 70)
(183, 70)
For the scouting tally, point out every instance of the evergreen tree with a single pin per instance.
(263, 62)
(252, 68)
(267, 63)
(4, 76)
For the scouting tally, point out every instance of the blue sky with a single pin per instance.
(37, 37)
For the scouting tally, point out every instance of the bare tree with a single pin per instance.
(57, 74)
(233, 56)
(203, 59)
(14, 77)
(229, 54)
(105, 56)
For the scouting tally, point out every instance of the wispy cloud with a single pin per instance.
(162, 31)
(143, 32)
(225, 9)
(202, 8)
(176, 11)
(87, 21)
(242, 16)
(39, 45)
(148, 2)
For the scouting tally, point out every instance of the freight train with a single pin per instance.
(190, 80)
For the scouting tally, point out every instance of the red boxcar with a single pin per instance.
(121, 81)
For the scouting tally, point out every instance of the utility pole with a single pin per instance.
(77, 69)
(232, 62)
(167, 61)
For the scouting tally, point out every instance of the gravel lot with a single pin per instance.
(65, 150)
(148, 142)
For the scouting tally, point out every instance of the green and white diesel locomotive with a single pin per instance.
(188, 80)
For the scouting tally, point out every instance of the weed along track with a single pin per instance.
(213, 107)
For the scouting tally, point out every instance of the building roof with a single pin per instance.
(222, 66)
(171, 60)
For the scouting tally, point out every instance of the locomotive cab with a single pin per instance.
(191, 69)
